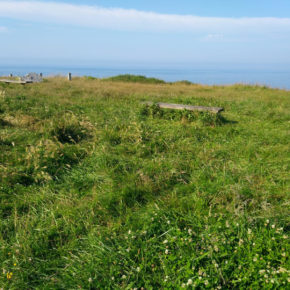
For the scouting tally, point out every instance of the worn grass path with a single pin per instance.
(100, 192)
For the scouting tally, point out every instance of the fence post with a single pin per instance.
(69, 76)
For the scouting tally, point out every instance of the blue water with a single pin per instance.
(279, 78)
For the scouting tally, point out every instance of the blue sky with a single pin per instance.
(160, 32)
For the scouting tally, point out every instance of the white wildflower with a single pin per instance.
(166, 251)
(189, 282)
(124, 277)
(273, 226)
(90, 280)
(165, 241)
(282, 270)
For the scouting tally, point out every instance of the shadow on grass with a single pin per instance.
(4, 123)
(225, 121)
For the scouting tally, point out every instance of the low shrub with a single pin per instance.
(90, 78)
(135, 79)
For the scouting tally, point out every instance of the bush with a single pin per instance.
(90, 78)
(135, 79)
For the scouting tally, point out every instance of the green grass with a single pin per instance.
(98, 191)
(135, 79)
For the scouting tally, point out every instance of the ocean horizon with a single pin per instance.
(277, 78)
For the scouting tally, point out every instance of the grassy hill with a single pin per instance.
(98, 191)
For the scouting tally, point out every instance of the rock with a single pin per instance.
(32, 77)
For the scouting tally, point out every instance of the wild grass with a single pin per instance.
(98, 191)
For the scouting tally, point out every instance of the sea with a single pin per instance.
(274, 78)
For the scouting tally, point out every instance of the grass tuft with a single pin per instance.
(68, 129)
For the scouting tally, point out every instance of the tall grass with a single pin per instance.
(98, 191)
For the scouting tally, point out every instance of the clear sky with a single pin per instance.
(145, 32)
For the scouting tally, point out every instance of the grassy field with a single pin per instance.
(98, 191)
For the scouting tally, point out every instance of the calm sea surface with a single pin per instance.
(273, 78)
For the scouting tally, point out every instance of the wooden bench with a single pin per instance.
(15, 82)
(215, 110)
